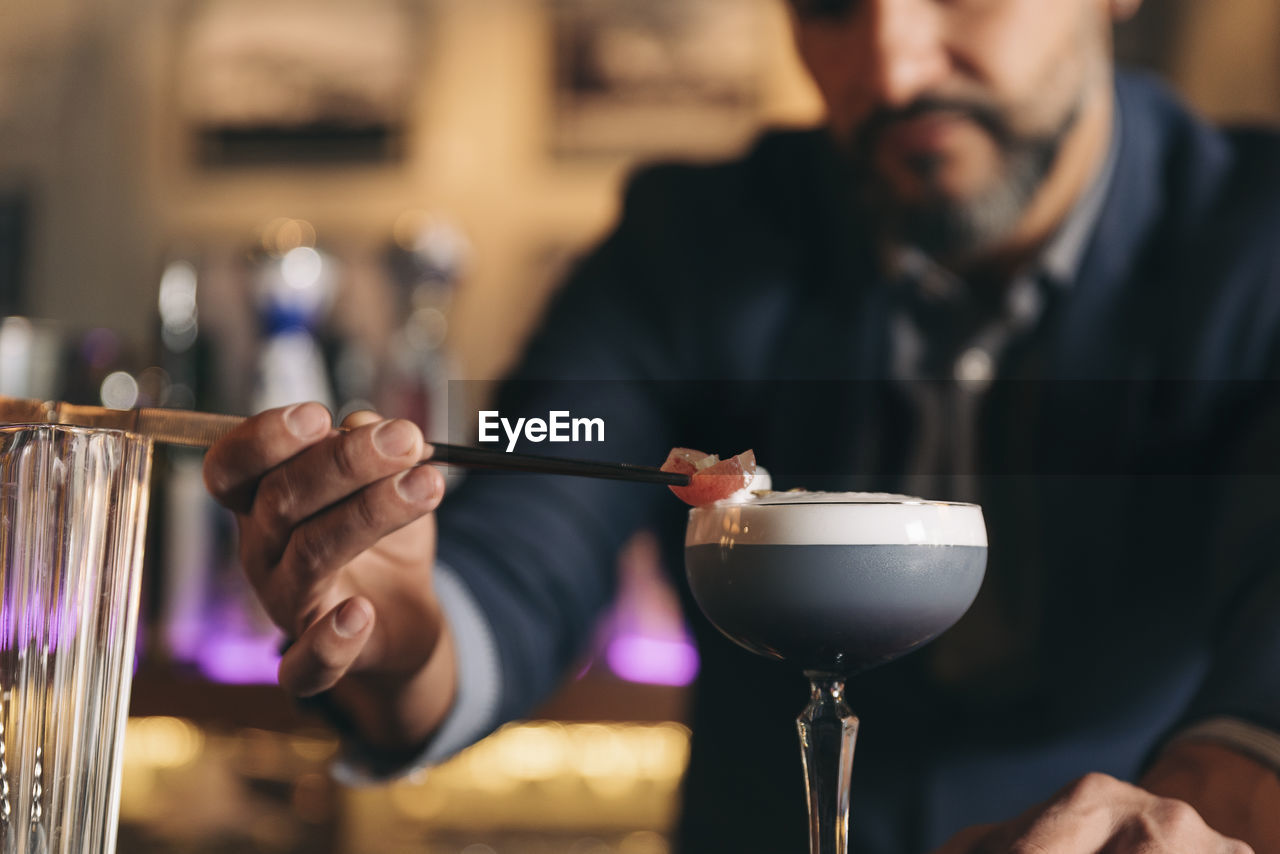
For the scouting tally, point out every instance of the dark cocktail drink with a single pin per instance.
(834, 583)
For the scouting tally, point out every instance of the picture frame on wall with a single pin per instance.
(305, 82)
(655, 77)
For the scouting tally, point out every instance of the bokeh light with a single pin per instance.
(119, 390)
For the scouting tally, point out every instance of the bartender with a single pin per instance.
(1001, 271)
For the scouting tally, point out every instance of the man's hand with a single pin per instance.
(1099, 814)
(338, 541)
(1236, 795)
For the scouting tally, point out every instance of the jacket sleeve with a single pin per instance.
(536, 554)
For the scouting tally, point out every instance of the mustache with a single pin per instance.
(987, 116)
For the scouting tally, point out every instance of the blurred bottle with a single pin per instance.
(32, 358)
(193, 542)
(426, 262)
(294, 291)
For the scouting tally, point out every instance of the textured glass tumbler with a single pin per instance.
(73, 508)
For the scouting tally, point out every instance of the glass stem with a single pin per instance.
(828, 731)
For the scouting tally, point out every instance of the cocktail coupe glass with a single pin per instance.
(73, 509)
(834, 583)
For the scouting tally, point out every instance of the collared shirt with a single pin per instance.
(947, 342)
(947, 345)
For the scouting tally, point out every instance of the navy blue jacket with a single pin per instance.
(1130, 456)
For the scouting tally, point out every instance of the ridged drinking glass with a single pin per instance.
(73, 508)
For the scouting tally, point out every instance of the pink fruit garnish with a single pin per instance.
(711, 478)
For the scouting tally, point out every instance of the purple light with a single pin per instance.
(240, 660)
(184, 636)
(100, 348)
(654, 661)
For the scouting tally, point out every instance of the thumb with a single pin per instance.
(327, 649)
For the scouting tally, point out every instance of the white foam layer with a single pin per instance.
(836, 518)
(804, 496)
(760, 482)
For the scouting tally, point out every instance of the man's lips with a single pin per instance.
(929, 133)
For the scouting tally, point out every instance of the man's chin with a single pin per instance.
(945, 232)
(952, 209)
(931, 202)
(943, 220)
(938, 178)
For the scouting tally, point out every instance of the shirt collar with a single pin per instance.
(1061, 259)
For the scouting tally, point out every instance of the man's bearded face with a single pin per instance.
(907, 186)
(953, 114)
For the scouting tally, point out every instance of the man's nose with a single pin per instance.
(905, 49)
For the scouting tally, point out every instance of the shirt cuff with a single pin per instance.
(475, 706)
(1256, 742)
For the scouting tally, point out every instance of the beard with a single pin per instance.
(942, 225)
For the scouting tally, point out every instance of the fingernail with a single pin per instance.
(395, 438)
(307, 420)
(351, 618)
(417, 484)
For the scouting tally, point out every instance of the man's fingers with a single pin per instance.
(1082, 816)
(1098, 814)
(329, 472)
(361, 417)
(328, 541)
(1170, 825)
(234, 465)
(326, 650)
